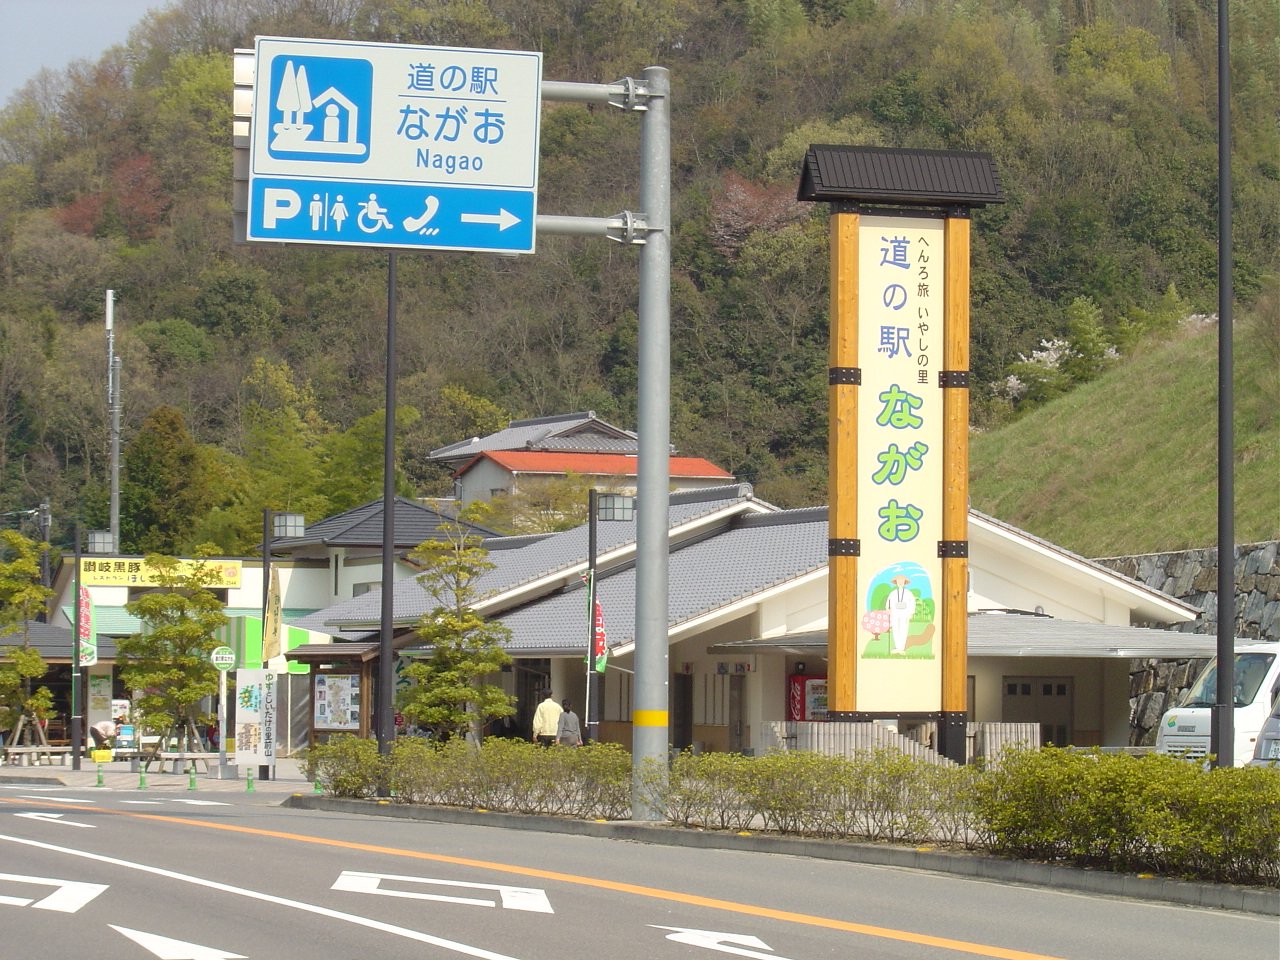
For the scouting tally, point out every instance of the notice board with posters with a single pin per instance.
(335, 700)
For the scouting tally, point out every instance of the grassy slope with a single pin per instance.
(1128, 463)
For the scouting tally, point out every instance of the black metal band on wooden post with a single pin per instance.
(844, 547)
(958, 379)
(844, 376)
(953, 549)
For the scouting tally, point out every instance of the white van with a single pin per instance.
(1267, 752)
(1185, 729)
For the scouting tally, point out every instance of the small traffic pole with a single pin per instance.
(318, 789)
(100, 782)
(191, 777)
(248, 783)
(142, 778)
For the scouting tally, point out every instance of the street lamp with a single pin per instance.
(600, 506)
(275, 526)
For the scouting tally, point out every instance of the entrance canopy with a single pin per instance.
(1014, 633)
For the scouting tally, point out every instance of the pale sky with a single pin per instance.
(53, 33)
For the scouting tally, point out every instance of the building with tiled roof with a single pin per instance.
(747, 614)
(564, 433)
(496, 472)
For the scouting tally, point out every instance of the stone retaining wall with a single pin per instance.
(1192, 576)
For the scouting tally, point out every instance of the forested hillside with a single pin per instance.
(253, 375)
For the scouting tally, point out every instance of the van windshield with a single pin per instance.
(1251, 670)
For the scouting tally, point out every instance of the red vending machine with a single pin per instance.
(806, 697)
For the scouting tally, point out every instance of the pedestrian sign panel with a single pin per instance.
(394, 146)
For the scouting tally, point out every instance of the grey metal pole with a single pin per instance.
(1222, 733)
(386, 668)
(113, 409)
(650, 738)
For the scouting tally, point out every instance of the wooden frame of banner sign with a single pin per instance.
(848, 177)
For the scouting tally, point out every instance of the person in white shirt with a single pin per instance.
(545, 720)
(102, 732)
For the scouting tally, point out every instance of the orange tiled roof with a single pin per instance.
(593, 464)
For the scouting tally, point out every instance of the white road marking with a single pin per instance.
(513, 898)
(57, 799)
(54, 818)
(70, 896)
(166, 948)
(720, 942)
(462, 948)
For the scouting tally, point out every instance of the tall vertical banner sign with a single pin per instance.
(87, 642)
(899, 464)
(255, 718)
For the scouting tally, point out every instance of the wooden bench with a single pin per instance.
(28, 756)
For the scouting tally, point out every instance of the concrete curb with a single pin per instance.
(1216, 896)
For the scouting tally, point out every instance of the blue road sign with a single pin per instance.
(388, 145)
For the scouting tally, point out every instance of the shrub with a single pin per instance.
(346, 766)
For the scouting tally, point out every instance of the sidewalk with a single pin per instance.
(116, 775)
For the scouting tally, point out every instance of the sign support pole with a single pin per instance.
(385, 688)
(844, 377)
(953, 728)
(649, 718)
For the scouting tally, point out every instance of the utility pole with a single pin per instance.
(113, 410)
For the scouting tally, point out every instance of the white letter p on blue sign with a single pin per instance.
(279, 204)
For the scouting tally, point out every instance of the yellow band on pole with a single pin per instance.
(649, 718)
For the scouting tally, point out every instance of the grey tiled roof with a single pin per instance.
(564, 432)
(54, 643)
(756, 552)
(520, 560)
(362, 527)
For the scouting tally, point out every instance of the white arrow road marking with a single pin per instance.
(194, 803)
(513, 898)
(408, 934)
(167, 948)
(57, 799)
(70, 896)
(721, 941)
(54, 818)
(198, 803)
(502, 219)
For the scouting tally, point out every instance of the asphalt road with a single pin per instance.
(114, 874)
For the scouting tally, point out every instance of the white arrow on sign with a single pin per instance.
(166, 948)
(513, 898)
(54, 818)
(720, 941)
(502, 219)
(70, 896)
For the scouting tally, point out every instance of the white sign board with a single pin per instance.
(255, 718)
(391, 145)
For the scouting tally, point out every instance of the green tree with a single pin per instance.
(1090, 353)
(22, 598)
(541, 505)
(169, 659)
(450, 695)
(167, 483)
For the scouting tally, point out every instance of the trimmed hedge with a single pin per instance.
(1109, 811)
